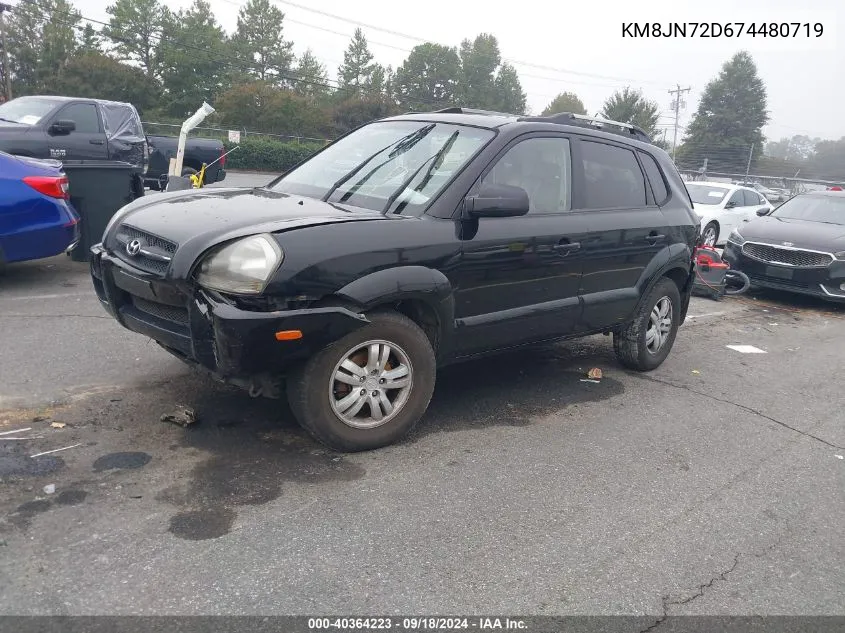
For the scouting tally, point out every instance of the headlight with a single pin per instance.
(242, 267)
(736, 238)
(839, 255)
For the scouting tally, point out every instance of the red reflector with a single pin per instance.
(52, 186)
(837, 188)
(222, 158)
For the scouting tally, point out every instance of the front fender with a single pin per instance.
(405, 283)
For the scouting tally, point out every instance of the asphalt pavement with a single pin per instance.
(712, 485)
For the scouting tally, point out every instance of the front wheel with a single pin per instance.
(369, 389)
(710, 234)
(646, 342)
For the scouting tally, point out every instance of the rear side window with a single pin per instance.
(655, 178)
(613, 177)
(84, 115)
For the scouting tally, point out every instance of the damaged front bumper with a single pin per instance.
(202, 328)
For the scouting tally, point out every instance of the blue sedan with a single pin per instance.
(36, 219)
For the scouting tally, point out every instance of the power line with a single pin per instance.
(421, 40)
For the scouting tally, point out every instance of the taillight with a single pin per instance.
(52, 186)
(222, 158)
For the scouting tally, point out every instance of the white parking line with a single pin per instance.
(56, 296)
(707, 314)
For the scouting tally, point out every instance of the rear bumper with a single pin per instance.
(825, 283)
(202, 328)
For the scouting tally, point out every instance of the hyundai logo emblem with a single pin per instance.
(133, 247)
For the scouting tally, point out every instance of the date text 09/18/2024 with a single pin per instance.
(417, 624)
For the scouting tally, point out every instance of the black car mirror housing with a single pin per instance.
(497, 201)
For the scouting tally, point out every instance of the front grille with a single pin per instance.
(786, 256)
(160, 250)
(174, 314)
(773, 281)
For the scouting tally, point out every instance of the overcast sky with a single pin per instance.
(578, 46)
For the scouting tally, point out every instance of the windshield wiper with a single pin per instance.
(364, 163)
(403, 146)
(7, 120)
(436, 160)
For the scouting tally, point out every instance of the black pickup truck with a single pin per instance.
(197, 152)
(69, 128)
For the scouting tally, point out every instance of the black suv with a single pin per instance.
(408, 244)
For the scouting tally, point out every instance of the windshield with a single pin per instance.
(391, 166)
(828, 209)
(706, 194)
(26, 110)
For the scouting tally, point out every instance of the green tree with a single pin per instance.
(356, 111)
(828, 161)
(730, 117)
(629, 106)
(357, 69)
(565, 102)
(798, 148)
(510, 97)
(312, 76)
(99, 77)
(259, 105)
(89, 41)
(135, 27)
(192, 51)
(479, 60)
(259, 43)
(41, 38)
(428, 78)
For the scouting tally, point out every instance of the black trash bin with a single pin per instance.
(98, 189)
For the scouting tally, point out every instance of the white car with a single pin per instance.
(722, 207)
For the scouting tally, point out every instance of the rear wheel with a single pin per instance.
(646, 342)
(368, 389)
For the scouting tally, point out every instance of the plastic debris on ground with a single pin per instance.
(183, 416)
(58, 425)
(746, 349)
(49, 489)
(696, 372)
(594, 373)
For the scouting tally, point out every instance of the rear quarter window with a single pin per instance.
(655, 178)
(613, 178)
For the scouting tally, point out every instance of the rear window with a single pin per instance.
(655, 178)
(613, 177)
(706, 194)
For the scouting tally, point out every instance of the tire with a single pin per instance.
(711, 227)
(631, 344)
(312, 390)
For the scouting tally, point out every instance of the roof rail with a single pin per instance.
(606, 125)
(459, 110)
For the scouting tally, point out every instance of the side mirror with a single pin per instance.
(62, 127)
(496, 201)
(763, 211)
(730, 205)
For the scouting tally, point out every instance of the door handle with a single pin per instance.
(95, 141)
(564, 248)
(654, 238)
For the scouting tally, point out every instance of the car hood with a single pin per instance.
(7, 127)
(798, 233)
(203, 218)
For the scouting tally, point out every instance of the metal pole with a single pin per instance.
(7, 70)
(748, 166)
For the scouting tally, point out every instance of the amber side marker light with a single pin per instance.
(288, 335)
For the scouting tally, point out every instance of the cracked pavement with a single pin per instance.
(524, 490)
